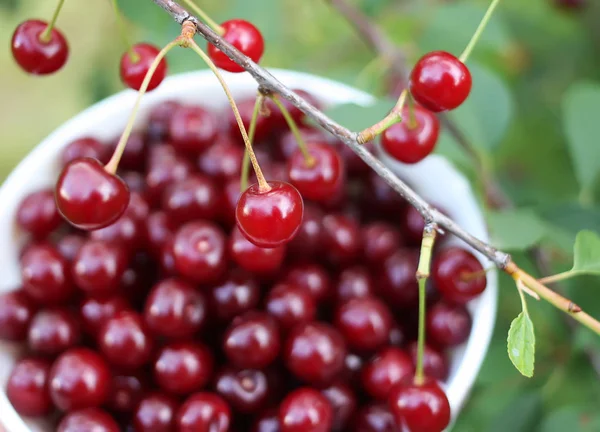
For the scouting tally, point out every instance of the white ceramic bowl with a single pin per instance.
(436, 179)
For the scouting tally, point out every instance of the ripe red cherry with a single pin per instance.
(353, 282)
(286, 145)
(238, 293)
(196, 197)
(37, 213)
(89, 419)
(158, 230)
(204, 412)
(193, 129)
(79, 378)
(365, 323)
(388, 368)
(413, 139)
(246, 109)
(380, 241)
(98, 268)
(254, 258)
(45, 275)
(271, 218)
(175, 309)
(200, 251)
(375, 418)
(85, 147)
(423, 408)
(315, 352)
(312, 278)
(320, 178)
(342, 239)
(134, 156)
(125, 341)
(449, 270)
(126, 391)
(52, 331)
(252, 340)
(183, 367)
(397, 284)
(165, 167)
(37, 56)
(27, 387)
(246, 390)
(222, 161)
(155, 413)
(290, 305)
(88, 196)
(305, 410)
(440, 81)
(16, 312)
(69, 245)
(308, 239)
(158, 120)
(343, 401)
(136, 63)
(448, 325)
(94, 312)
(268, 421)
(435, 363)
(242, 35)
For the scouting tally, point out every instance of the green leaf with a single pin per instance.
(516, 229)
(586, 253)
(581, 105)
(357, 117)
(521, 344)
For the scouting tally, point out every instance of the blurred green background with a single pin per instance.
(534, 118)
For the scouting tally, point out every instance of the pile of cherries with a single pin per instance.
(170, 319)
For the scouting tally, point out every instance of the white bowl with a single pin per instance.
(436, 179)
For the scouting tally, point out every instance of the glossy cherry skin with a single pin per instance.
(135, 67)
(246, 109)
(388, 368)
(242, 35)
(45, 275)
(134, 157)
(88, 419)
(379, 200)
(312, 278)
(126, 391)
(414, 139)
(448, 325)
(435, 362)
(290, 305)
(286, 145)
(158, 229)
(343, 401)
(158, 120)
(16, 312)
(364, 322)
(85, 147)
(440, 81)
(268, 421)
(34, 55)
(255, 259)
(272, 218)
(27, 387)
(88, 196)
(69, 245)
(321, 177)
(397, 283)
(175, 309)
(79, 378)
(222, 161)
(193, 129)
(37, 214)
(98, 268)
(246, 390)
(315, 353)
(95, 312)
(450, 267)
(252, 340)
(305, 410)
(196, 197)
(353, 282)
(238, 293)
(375, 418)
(308, 240)
(52, 331)
(380, 240)
(204, 412)
(183, 367)
(125, 341)
(422, 408)
(342, 239)
(165, 167)
(155, 413)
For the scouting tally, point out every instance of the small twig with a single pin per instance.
(395, 116)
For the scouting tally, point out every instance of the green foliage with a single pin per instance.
(586, 253)
(360, 117)
(516, 229)
(521, 344)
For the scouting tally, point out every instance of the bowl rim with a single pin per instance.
(483, 309)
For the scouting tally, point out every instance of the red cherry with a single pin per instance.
(45, 275)
(155, 413)
(365, 323)
(320, 178)
(204, 412)
(134, 156)
(448, 325)
(295, 113)
(126, 392)
(37, 56)
(222, 161)
(440, 81)
(246, 109)
(158, 230)
(375, 418)
(342, 239)
(95, 312)
(183, 367)
(388, 368)
(16, 312)
(311, 278)
(267, 422)
(435, 363)
(308, 239)
(343, 401)
(412, 140)
(271, 218)
(423, 408)
(397, 283)
(89, 419)
(27, 387)
(69, 245)
(243, 36)
(165, 167)
(353, 282)
(245, 390)
(159, 118)
(37, 213)
(380, 241)
(125, 341)
(193, 129)
(79, 378)
(252, 258)
(85, 147)
(287, 144)
(449, 269)
(305, 410)
(196, 197)
(237, 294)
(88, 196)
(52, 331)
(98, 268)
(290, 305)
(136, 63)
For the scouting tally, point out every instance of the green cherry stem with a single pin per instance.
(263, 186)
(205, 17)
(124, 34)
(295, 131)
(412, 118)
(45, 36)
(395, 116)
(429, 234)
(113, 163)
(251, 130)
(484, 21)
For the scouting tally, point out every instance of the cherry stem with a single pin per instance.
(412, 118)
(47, 33)
(482, 25)
(113, 163)
(395, 116)
(124, 34)
(251, 131)
(205, 17)
(556, 277)
(429, 234)
(310, 161)
(469, 276)
(263, 186)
